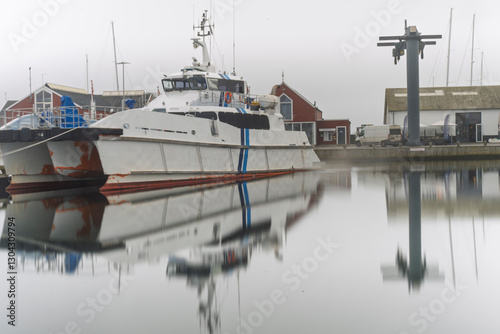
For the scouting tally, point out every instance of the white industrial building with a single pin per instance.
(471, 114)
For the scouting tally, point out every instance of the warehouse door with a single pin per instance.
(467, 126)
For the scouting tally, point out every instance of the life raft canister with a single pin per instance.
(228, 96)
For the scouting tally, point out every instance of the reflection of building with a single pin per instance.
(474, 110)
(301, 115)
(463, 193)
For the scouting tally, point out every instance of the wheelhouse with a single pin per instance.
(200, 82)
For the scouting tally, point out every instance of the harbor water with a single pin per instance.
(377, 248)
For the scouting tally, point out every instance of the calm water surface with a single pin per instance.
(367, 249)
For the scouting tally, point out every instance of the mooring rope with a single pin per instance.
(37, 143)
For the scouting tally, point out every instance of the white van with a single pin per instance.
(379, 135)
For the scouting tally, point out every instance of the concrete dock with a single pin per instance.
(352, 153)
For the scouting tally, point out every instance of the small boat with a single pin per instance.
(205, 127)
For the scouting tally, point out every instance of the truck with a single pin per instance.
(434, 134)
(379, 135)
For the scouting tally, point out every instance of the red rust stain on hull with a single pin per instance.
(128, 187)
(25, 188)
(48, 170)
(90, 162)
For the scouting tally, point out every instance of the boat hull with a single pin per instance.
(49, 159)
(139, 165)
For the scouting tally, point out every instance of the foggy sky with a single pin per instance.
(326, 49)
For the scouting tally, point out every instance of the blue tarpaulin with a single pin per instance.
(70, 118)
(130, 103)
(71, 261)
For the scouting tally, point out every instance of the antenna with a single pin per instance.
(30, 85)
(481, 82)
(472, 50)
(87, 68)
(234, 42)
(205, 29)
(449, 45)
(116, 63)
(412, 41)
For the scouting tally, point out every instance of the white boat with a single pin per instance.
(205, 127)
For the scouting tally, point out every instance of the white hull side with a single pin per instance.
(123, 157)
(28, 161)
(143, 164)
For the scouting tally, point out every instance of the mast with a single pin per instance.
(449, 46)
(234, 42)
(481, 82)
(204, 24)
(116, 63)
(30, 85)
(87, 68)
(472, 51)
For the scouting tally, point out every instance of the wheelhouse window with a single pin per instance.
(224, 85)
(192, 83)
(168, 85)
(180, 84)
(213, 83)
(197, 83)
(286, 107)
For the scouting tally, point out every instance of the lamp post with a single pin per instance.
(123, 63)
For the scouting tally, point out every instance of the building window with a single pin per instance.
(286, 107)
(308, 128)
(328, 136)
(43, 101)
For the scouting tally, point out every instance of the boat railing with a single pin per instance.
(227, 99)
(65, 117)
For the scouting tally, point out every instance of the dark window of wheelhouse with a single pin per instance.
(245, 121)
(213, 84)
(168, 85)
(197, 83)
(180, 84)
(225, 85)
(204, 114)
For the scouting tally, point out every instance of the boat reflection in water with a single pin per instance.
(58, 230)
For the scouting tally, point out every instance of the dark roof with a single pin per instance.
(276, 87)
(446, 98)
(107, 99)
(8, 104)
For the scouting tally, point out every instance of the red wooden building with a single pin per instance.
(301, 115)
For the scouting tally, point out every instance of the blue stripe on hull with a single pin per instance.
(247, 205)
(242, 203)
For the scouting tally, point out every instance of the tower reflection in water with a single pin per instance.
(425, 193)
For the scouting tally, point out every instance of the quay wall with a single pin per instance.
(351, 153)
